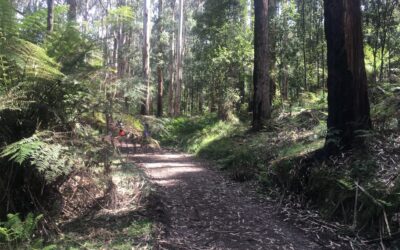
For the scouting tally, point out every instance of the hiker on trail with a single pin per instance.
(120, 125)
(146, 131)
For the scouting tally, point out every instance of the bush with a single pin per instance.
(19, 234)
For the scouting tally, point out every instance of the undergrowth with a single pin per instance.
(20, 233)
(359, 190)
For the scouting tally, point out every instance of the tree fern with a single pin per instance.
(31, 60)
(21, 57)
(51, 160)
(21, 151)
(13, 99)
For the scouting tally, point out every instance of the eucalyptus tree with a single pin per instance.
(72, 11)
(146, 57)
(50, 15)
(172, 65)
(262, 88)
(160, 63)
(348, 104)
(179, 62)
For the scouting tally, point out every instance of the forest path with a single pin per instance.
(205, 210)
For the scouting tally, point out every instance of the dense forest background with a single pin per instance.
(300, 96)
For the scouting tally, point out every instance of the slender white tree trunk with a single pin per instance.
(172, 66)
(146, 57)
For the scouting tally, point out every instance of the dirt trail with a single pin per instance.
(207, 211)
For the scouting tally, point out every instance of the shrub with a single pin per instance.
(16, 233)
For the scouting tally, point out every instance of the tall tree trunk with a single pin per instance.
(383, 47)
(272, 46)
(146, 57)
(72, 11)
(172, 66)
(348, 104)
(122, 61)
(377, 36)
(323, 70)
(179, 62)
(50, 15)
(304, 45)
(160, 89)
(262, 103)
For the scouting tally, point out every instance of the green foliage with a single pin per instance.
(195, 134)
(33, 27)
(140, 228)
(385, 107)
(223, 54)
(51, 160)
(22, 150)
(301, 148)
(23, 61)
(7, 20)
(13, 99)
(16, 232)
(70, 48)
(122, 14)
(334, 186)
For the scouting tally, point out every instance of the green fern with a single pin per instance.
(51, 160)
(21, 151)
(31, 60)
(15, 230)
(4, 234)
(21, 59)
(13, 99)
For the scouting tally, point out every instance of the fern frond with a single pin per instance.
(51, 160)
(32, 60)
(21, 151)
(15, 229)
(13, 99)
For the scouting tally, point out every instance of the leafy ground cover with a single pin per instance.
(358, 189)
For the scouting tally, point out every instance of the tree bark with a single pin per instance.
(50, 15)
(262, 103)
(304, 46)
(160, 89)
(179, 63)
(348, 104)
(146, 57)
(171, 87)
(72, 11)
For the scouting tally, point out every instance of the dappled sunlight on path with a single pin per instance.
(168, 169)
(207, 211)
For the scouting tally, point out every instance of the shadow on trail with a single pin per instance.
(207, 211)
